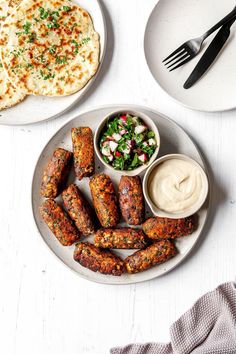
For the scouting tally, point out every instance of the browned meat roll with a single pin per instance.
(123, 238)
(79, 210)
(56, 173)
(82, 139)
(59, 223)
(131, 200)
(164, 228)
(98, 260)
(104, 200)
(157, 253)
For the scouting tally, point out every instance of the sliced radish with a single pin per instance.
(127, 150)
(140, 129)
(110, 158)
(123, 132)
(116, 136)
(106, 151)
(113, 146)
(145, 143)
(123, 118)
(152, 142)
(105, 143)
(143, 158)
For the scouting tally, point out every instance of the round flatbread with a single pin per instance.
(50, 47)
(9, 95)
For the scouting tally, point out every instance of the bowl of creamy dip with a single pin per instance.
(175, 186)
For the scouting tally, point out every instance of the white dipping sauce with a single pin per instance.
(175, 185)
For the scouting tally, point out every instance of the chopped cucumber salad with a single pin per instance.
(127, 143)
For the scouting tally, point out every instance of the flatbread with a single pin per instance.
(9, 95)
(50, 47)
(13, 3)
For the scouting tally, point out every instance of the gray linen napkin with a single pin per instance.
(209, 327)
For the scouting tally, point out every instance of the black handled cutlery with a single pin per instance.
(191, 48)
(210, 54)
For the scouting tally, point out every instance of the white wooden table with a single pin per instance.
(44, 307)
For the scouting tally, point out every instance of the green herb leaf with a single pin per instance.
(66, 8)
(43, 13)
(26, 27)
(150, 134)
(52, 49)
(135, 161)
(61, 60)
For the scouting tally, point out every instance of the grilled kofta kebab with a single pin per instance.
(56, 173)
(97, 260)
(164, 228)
(59, 223)
(82, 140)
(104, 200)
(122, 238)
(79, 210)
(131, 200)
(159, 252)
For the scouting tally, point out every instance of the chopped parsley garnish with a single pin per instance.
(46, 76)
(51, 15)
(26, 27)
(76, 51)
(55, 13)
(85, 41)
(52, 49)
(17, 53)
(42, 58)
(32, 37)
(30, 66)
(43, 13)
(53, 23)
(73, 26)
(61, 60)
(66, 8)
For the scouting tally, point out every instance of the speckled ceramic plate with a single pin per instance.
(173, 140)
(36, 109)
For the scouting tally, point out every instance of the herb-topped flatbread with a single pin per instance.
(50, 47)
(9, 95)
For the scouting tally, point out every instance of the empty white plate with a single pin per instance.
(171, 23)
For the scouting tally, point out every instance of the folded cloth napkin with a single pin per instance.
(209, 327)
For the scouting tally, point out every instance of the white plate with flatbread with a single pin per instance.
(33, 109)
(173, 140)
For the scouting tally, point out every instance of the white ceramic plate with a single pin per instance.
(173, 140)
(171, 23)
(38, 108)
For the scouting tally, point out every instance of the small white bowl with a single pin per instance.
(150, 124)
(195, 208)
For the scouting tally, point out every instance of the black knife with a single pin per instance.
(210, 54)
